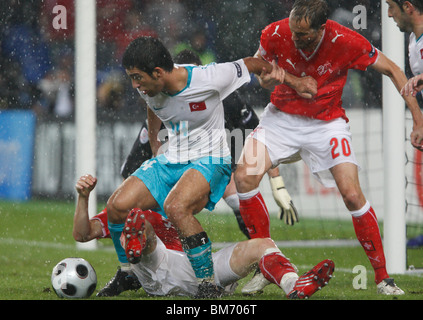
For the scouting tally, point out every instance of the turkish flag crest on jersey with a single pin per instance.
(197, 106)
(421, 53)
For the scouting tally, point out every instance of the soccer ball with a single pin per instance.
(74, 278)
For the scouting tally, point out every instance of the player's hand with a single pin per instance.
(273, 78)
(287, 212)
(416, 137)
(85, 185)
(413, 86)
(307, 87)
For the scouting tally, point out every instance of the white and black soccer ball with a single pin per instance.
(74, 278)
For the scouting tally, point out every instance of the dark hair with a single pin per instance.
(316, 12)
(418, 4)
(187, 56)
(147, 53)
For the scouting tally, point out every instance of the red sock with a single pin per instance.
(256, 217)
(273, 266)
(367, 231)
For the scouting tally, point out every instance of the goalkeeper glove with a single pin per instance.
(287, 211)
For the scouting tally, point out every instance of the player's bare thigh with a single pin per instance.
(188, 197)
(346, 178)
(132, 193)
(247, 254)
(253, 164)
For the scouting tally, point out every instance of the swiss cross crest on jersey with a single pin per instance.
(421, 53)
(197, 106)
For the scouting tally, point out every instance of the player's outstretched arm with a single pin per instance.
(387, 67)
(85, 229)
(269, 74)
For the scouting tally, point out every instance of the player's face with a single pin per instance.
(399, 16)
(149, 85)
(304, 37)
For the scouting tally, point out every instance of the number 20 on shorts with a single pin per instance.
(340, 146)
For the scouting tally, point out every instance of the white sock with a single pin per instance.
(288, 281)
(248, 195)
(233, 201)
(360, 212)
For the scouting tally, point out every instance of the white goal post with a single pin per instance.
(85, 98)
(394, 224)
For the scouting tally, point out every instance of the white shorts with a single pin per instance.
(321, 144)
(169, 272)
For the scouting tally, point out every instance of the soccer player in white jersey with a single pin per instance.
(193, 172)
(409, 18)
(163, 268)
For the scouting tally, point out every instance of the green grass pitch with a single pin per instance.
(35, 235)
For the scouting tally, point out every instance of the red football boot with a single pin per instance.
(313, 280)
(133, 237)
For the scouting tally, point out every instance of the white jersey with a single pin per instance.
(168, 272)
(194, 117)
(415, 54)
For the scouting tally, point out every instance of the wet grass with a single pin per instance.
(35, 235)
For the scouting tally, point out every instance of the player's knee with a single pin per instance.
(244, 181)
(253, 250)
(175, 211)
(353, 199)
(262, 244)
(116, 210)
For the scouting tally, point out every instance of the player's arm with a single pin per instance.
(269, 75)
(387, 67)
(306, 87)
(154, 124)
(85, 229)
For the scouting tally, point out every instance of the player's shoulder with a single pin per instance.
(202, 74)
(412, 38)
(338, 32)
(414, 41)
(277, 28)
(211, 70)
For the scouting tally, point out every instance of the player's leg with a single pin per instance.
(363, 217)
(232, 200)
(253, 164)
(364, 220)
(277, 268)
(124, 279)
(188, 197)
(138, 236)
(263, 253)
(132, 193)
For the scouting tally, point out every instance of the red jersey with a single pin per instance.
(339, 50)
(162, 227)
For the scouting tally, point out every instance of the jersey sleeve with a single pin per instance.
(227, 77)
(102, 217)
(362, 53)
